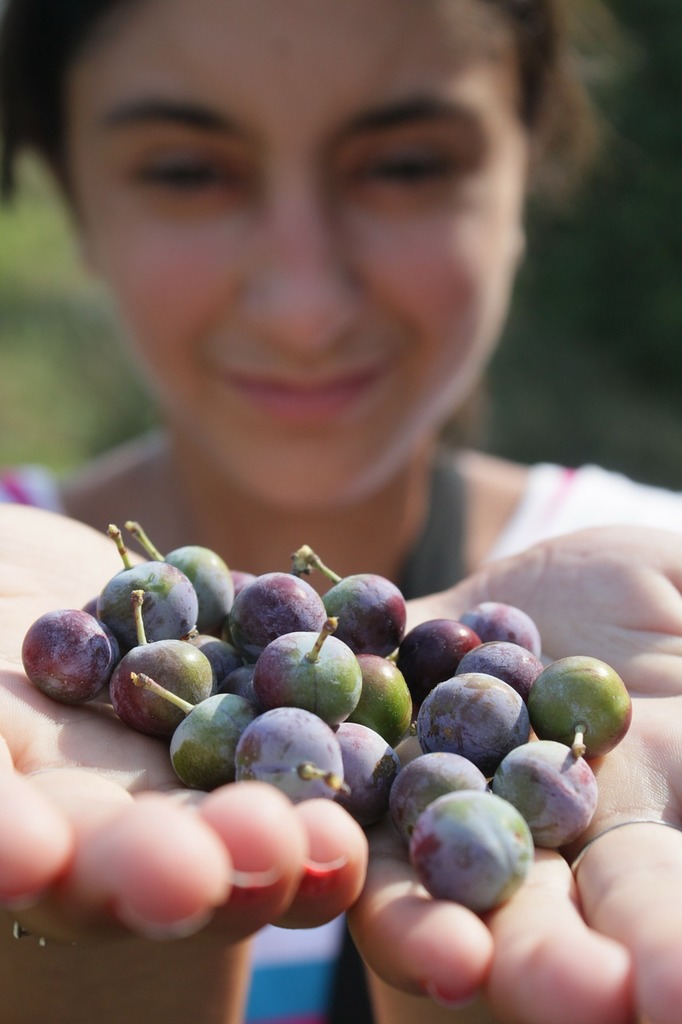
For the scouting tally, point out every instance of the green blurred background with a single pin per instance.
(590, 369)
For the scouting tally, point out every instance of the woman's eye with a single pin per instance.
(408, 173)
(190, 177)
(181, 186)
(407, 181)
(410, 170)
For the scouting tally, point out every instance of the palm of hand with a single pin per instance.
(614, 595)
(116, 846)
(104, 838)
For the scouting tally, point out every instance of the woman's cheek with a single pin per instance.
(425, 271)
(151, 265)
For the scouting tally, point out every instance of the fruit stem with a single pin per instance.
(305, 559)
(116, 535)
(137, 600)
(578, 748)
(137, 532)
(309, 772)
(313, 654)
(146, 682)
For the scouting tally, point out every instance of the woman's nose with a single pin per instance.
(299, 289)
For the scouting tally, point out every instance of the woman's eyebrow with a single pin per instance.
(410, 111)
(148, 110)
(154, 110)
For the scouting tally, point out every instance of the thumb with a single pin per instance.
(598, 591)
(517, 579)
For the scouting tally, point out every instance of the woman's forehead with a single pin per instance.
(280, 23)
(293, 54)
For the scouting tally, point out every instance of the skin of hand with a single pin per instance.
(104, 844)
(603, 947)
(89, 799)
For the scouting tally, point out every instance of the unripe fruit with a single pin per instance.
(385, 703)
(582, 702)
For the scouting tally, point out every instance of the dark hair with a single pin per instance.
(555, 103)
(38, 41)
(40, 38)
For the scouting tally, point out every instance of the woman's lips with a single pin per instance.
(305, 402)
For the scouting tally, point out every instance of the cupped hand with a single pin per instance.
(104, 842)
(601, 947)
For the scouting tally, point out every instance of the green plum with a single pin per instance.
(202, 748)
(385, 703)
(582, 702)
(313, 671)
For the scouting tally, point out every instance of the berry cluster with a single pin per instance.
(476, 749)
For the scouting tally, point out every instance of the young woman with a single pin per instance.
(310, 216)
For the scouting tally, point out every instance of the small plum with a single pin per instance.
(240, 681)
(371, 611)
(385, 703)
(241, 579)
(370, 608)
(272, 604)
(370, 765)
(223, 656)
(315, 671)
(555, 791)
(175, 665)
(212, 581)
(294, 750)
(69, 655)
(423, 780)
(171, 604)
(431, 652)
(582, 702)
(495, 620)
(210, 577)
(475, 715)
(473, 848)
(203, 746)
(505, 660)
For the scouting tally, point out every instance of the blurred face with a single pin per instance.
(309, 214)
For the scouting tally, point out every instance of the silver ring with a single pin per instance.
(619, 824)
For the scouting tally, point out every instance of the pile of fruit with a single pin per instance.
(457, 729)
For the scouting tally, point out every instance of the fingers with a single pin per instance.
(149, 865)
(538, 962)
(335, 864)
(415, 943)
(258, 825)
(161, 867)
(548, 964)
(613, 592)
(296, 865)
(630, 883)
(267, 845)
(36, 847)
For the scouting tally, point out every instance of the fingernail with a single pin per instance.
(162, 930)
(254, 879)
(319, 877)
(447, 1000)
(321, 869)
